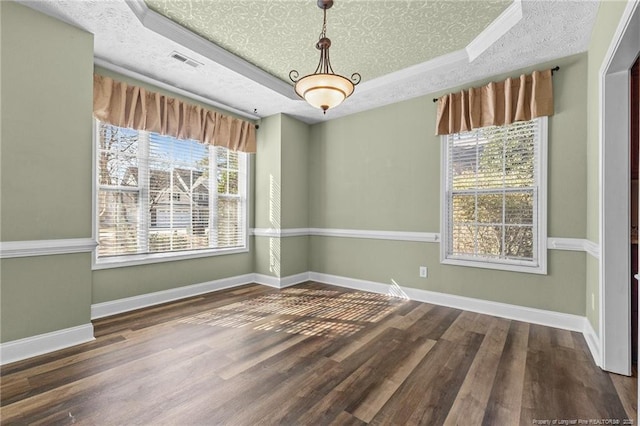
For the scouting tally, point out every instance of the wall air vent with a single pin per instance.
(183, 58)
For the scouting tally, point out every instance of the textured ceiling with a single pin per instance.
(131, 39)
(373, 38)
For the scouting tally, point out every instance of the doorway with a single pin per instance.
(634, 150)
(615, 188)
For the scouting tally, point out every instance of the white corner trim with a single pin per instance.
(277, 282)
(9, 249)
(593, 342)
(28, 347)
(105, 309)
(519, 313)
(277, 233)
(592, 248)
(425, 237)
(175, 32)
(499, 27)
(267, 280)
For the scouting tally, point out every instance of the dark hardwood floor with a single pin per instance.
(312, 355)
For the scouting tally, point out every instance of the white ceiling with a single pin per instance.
(132, 39)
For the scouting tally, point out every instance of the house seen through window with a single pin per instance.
(494, 197)
(161, 195)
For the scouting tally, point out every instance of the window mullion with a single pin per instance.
(213, 197)
(503, 227)
(242, 193)
(476, 247)
(143, 194)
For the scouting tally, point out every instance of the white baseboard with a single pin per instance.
(353, 283)
(105, 309)
(28, 347)
(519, 313)
(37, 345)
(592, 341)
(281, 282)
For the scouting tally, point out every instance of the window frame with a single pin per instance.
(539, 265)
(150, 258)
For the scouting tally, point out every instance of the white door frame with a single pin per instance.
(614, 177)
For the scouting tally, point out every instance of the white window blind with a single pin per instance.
(158, 194)
(494, 196)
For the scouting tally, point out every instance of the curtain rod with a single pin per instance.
(171, 89)
(554, 69)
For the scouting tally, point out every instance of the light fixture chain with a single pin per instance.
(324, 24)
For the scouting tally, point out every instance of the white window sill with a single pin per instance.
(540, 269)
(145, 259)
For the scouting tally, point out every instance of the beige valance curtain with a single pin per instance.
(496, 104)
(124, 105)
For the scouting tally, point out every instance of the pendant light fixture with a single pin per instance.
(324, 89)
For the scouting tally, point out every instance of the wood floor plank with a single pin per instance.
(471, 401)
(312, 354)
(415, 402)
(505, 401)
(558, 387)
(373, 402)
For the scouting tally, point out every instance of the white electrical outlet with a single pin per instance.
(423, 272)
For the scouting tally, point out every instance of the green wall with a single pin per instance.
(375, 170)
(268, 187)
(119, 283)
(609, 14)
(46, 115)
(282, 194)
(380, 170)
(45, 169)
(43, 294)
(46, 133)
(295, 194)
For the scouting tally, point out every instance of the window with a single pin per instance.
(494, 197)
(160, 197)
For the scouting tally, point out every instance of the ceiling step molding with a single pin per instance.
(159, 24)
(507, 20)
(11, 249)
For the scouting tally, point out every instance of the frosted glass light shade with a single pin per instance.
(324, 91)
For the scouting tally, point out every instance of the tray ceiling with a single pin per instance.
(245, 48)
(373, 38)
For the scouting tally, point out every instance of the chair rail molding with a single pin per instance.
(11, 249)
